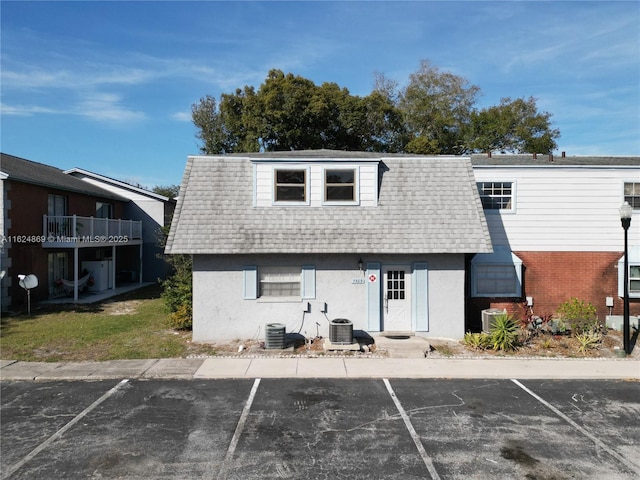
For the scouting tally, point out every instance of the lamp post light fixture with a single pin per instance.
(625, 217)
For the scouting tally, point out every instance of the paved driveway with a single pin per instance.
(321, 428)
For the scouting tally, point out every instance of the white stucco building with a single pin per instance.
(301, 238)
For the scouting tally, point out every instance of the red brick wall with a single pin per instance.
(552, 278)
(28, 205)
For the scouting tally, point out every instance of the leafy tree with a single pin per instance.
(169, 191)
(514, 126)
(434, 113)
(437, 109)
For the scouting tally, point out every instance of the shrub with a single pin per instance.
(177, 292)
(579, 315)
(588, 340)
(504, 333)
(477, 341)
(182, 318)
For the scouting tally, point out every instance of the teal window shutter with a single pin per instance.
(420, 297)
(308, 283)
(250, 282)
(374, 295)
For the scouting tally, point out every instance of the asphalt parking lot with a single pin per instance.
(321, 428)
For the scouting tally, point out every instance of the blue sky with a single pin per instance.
(108, 86)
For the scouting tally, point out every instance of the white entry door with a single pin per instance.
(396, 299)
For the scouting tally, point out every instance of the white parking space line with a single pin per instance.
(9, 471)
(226, 463)
(412, 431)
(595, 440)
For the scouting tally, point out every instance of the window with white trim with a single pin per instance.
(497, 274)
(634, 273)
(279, 281)
(632, 194)
(290, 185)
(496, 195)
(634, 279)
(340, 185)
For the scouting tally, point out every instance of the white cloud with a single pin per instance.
(25, 110)
(107, 107)
(181, 116)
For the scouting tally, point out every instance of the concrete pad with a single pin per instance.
(26, 370)
(174, 368)
(349, 347)
(273, 368)
(223, 368)
(4, 363)
(321, 368)
(402, 347)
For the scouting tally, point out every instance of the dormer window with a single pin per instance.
(291, 185)
(340, 185)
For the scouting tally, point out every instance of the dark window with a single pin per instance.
(291, 185)
(632, 194)
(339, 185)
(496, 195)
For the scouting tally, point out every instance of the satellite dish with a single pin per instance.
(28, 281)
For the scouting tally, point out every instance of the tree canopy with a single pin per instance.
(435, 113)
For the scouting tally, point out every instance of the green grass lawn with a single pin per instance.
(130, 326)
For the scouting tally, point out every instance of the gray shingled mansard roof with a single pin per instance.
(528, 160)
(425, 205)
(26, 171)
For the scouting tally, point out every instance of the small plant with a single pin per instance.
(547, 343)
(476, 341)
(588, 340)
(504, 333)
(579, 315)
(182, 318)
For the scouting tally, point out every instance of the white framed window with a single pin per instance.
(632, 194)
(279, 282)
(497, 195)
(291, 185)
(497, 274)
(340, 185)
(634, 273)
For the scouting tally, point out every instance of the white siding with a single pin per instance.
(562, 208)
(366, 173)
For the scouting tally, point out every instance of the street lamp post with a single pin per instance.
(625, 218)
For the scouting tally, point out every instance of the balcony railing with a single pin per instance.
(72, 229)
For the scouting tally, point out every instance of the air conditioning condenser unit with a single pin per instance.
(487, 317)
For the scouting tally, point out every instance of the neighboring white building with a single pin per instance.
(152, 209)
(302, 238)
(555, 227)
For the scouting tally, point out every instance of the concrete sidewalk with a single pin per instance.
(325, 367)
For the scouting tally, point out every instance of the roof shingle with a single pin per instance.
(425, 205)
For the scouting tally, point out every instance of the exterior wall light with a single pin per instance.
(360, 264)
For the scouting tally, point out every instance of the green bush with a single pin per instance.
(579, 315)
(177, 292)
(588, 340)
(503, 334)
(477, 341)
(182, 318)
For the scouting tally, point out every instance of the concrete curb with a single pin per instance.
(324, 367)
